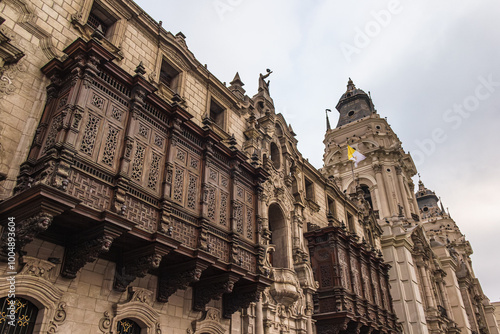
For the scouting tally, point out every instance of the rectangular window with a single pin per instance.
(331, 206)
(169, 76)
(350, 222)
(217, 113)
(309, 189)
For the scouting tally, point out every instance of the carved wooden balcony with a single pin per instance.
(353, 294)
(115, 171)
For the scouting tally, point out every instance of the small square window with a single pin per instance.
(169, 76)
(217, 113)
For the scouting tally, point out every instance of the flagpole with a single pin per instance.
(352, 169)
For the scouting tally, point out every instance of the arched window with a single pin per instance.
(275, 155)
(366, 194)
(127, 326)
(24, 316)
(279, 236)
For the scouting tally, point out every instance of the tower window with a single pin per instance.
(217, 113)
(169, 76)
(350, 113)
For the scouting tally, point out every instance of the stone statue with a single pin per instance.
(262, 83)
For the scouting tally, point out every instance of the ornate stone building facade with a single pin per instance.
(149, 197)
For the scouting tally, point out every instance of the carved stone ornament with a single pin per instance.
(37, 267)
(377, 168)
(105, 323)
(79, 255)
(59, 318)
(134, 268)
(210, 323)
(9, 76)
(137, 294)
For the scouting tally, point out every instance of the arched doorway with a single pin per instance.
(279, 237)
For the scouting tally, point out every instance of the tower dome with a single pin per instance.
(353, 105)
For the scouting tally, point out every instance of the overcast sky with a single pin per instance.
(431, 66)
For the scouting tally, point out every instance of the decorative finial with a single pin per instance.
(350, 85)
(237, 81)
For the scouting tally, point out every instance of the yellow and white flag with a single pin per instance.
(354, 155)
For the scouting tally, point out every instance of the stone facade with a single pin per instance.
(147, 196)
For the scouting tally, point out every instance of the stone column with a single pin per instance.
(402, 192)
(414, 199)
(259, 319)
(384, 209)
(427, 293)
(444, 294)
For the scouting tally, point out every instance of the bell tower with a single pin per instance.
(385, 178)
(387, 170)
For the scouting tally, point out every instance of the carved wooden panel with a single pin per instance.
(218, 247)
(184, 232)
(238, 217)
(344, 269)
(90, 133)
(110, 146)
(325, 274)
(100, 135)
(93, 193)
(327, 305)
(146, 216)
(376, 293)
(385, 295)
(366, 282)
(218, 200)
(138, 162)
(54, 127)
(243, 212)
(249, 261)
(186, 180)
(356, 276)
